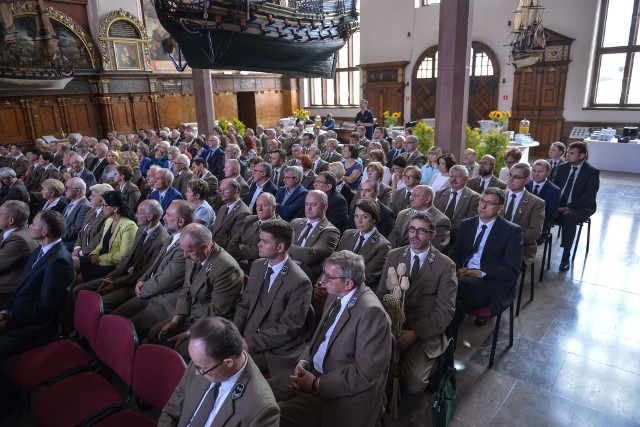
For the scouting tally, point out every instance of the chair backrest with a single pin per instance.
(309, 324)
(116, 345)
(156, 373)
(87, 314)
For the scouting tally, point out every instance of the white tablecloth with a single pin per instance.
(614, 156)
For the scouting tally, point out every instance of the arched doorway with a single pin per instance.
(484, 82)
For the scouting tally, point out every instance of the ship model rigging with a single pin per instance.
(301, 38)
(528, 38)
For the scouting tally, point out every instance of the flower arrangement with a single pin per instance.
(425, 135)
(390, 119)
(500, 117)
(224, 123)
(393, 303)
(302, 115)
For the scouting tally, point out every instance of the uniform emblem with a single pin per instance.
(374, 240)
(237, 392)
(284, 270)
(431, 258)
(405, 252)
(322, 226)
(351, 303)
(154, 235)
(209, 267)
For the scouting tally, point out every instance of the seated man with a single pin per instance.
(212, 286)
(290, 198)
(15, 248)
(76, 210)
(261, 184)
(244, 245)
(549, 192)
(370, 189)
(488, 255)
(400, 198)
(315, 238)
(485, 178)
(231, 215)
(163, 192)
(222, 385)
(272, 312)
(429, 302)
(12, 187)
(580, 183)
(421, 201)
(340, 379)
(457, 201)
(117, 287)
(338, 211)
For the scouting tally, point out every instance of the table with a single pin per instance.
(614, 156)
(524, 149)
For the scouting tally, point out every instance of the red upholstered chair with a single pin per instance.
(63, 357)
(74, 399)
(486, 312)
(156, 373)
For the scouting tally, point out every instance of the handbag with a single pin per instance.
(445, 399)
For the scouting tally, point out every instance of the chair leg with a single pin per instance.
(544, 256)
(510, 326)
(533, 268)
(575, 248)
(588, 234)
(522, 276)
(495, 338)
(549, 252)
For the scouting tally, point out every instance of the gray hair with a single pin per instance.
(18, 210)
(375, 182)
(153, 207)
(295, 170)
(268, 169)
(351, 265)
(100, 189)
(413, 138)
(7, 172)
(460, 168)
(424, 216)
(270, 198)
(199, 234)
(182, 158)
(235, 184)
(234, 147)
(165, 174)
(79, 182)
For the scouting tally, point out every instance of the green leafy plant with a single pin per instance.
(495, 144)
(224, 123)
(473, 138)
(425, 135)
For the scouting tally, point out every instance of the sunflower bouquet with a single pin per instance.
(500, 117)
(302, 115)
(390, 119)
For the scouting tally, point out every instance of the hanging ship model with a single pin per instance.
(528, 39)
(299, 39)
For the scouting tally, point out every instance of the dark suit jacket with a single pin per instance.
(268, 187)
(333, 157)
(91, 232)
(399, 201)
(131, 194)
(430, 301)
(249, 236)
(391, 156)
(180, 182)
(400, 235)
(52, 172)
(322, 166)
(16, 192)
(291, 208)
(474, 183)
(252, 405)
(216, 160)
(554, 171)
(98, 169)
(307, 181)
(550, 193)
(74, 222)
(338, 211)
(500, 260)
(42, 287)
(20, 166)
(585, 187)
(15, 250)
(374, 251)
(171, 195)
(88, 178)
(273, 325)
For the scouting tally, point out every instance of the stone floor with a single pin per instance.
(576, 358)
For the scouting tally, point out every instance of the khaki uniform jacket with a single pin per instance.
(320, 243)
(32, 179)
(229, 224)
(431, 301)
(322, 166)
(414, 159)
(275, 328)
(212, 289)
(249, 404)
(212, 181)
(307, 181)
(180, 182)
(466, 207)
(399, 201)
(400, 235)
(91, 231)
(15, 250)
(249, 236)
(474, 183)
(529, 215)
(20, 166)
(374, 251)
(131, 194)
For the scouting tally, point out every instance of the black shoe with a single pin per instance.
(565, 264)
(481, 320)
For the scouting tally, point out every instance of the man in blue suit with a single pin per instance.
(216, 157)
(261, 184)
(579, 183)
(30, 316)
(488, 256)
(549, 192)
(396, 150)
(291, 197)
(164, 192)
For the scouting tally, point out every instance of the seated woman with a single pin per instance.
(441, 180)
(122, 183)
(431, 167)
(375, 171)
(352, 168)
(118, 234)
(129, 158)
(52, 191)
(143, 158)
(397, 168)
(337, 168)
(377, 155)
(110, 170)
(200, 148)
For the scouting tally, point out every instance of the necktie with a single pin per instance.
(451, 207)
(267, 281)
(509, 213)
(68, 210)
(275, 177)
(38, 257)
(304, 235)
(208, 403)
(536, 188)
(415, 268)
(360, 244)
(225, 211)
(408, 196)
(329, 321)
(567, 188)
(161, 198)
(476, 243)
(484, 185)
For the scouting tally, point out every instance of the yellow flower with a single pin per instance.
(498, 115)
(385, 114)
(396, 115)
(492, 115)
(508, 114)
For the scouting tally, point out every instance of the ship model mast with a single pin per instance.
(528, 39)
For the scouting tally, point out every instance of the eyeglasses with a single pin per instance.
(409, 177)
(289, 177)
(486, 202)
(325, 278)
(485, 163)
(510, 175)
(317, 181)
(71, 188)
(420, 231)
(205, 372)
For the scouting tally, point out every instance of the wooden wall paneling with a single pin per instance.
(247, 106)
(12, 123)
(47, 117)
(176, 108)
(225, 104)
(270, 108)
(83, 116)
(143, 112)
(123, 115)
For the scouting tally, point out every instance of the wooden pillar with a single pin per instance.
(203, 94)
(452, 90)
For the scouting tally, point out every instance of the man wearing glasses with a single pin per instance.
(290, 198)
(429, 302)
(488, 255)
(400, 198)
(485, 178)
(413, 156)
(261, 184)
(74, 213)
(340, 378)
(222, 385)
